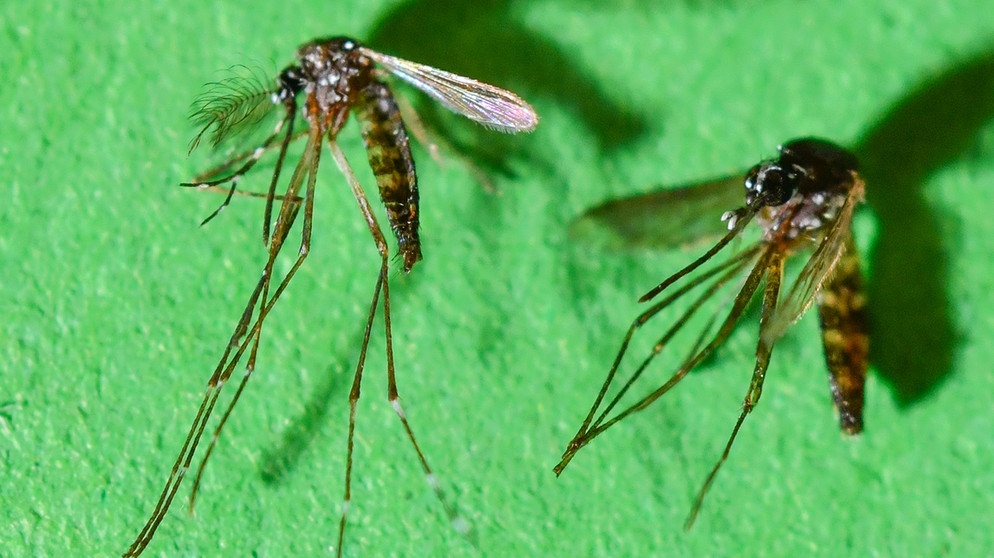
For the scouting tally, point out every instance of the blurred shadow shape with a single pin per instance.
(282, 457)
(279, 461)
(913, 332)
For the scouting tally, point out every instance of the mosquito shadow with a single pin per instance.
(279, 461)
(332, 394)
(931, 127)
(8, 409)
(481, 40)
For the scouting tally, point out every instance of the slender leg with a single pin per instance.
(728, 270)
(208, 179)
(774, 275)
(382, 284)
(242, 337)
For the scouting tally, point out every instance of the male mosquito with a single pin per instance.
(330, 78)
(804, 198)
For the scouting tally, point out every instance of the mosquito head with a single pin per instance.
(770, 184)
(290, 82)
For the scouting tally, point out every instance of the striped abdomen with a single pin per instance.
(845, 335)
(390, 158)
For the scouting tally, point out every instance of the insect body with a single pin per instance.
(804, 198)
(330, 79)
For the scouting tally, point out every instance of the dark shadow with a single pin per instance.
(279, 461)
(479, 39)
(933, 126)
(8, 409)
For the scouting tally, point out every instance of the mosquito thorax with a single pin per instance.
(334, 69)
(800, 191)
(825, 165)
(323, 56)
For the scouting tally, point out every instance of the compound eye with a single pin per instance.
(766, 184)
(291, 82)
(786, 186)
(774, 187)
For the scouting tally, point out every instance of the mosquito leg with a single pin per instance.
(354, 393)
(237, 345)
(382, 284)
(458, 523)
(353, 402)
(250, 156)
(720, 337)
(244, 193)
(418, 129)
(249, 368)
(183, 460)
(209, 179)
(307, 167)
(774, 275)
(590, 427)
(185, 457)
(202, 179)
(731, 269)
(740, 218)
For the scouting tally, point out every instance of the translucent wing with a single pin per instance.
(664, 219)
(231, 107)
(817, 270)
(491, 106)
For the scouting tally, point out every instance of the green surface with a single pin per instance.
(115, 304)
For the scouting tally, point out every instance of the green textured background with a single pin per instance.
(114, 305)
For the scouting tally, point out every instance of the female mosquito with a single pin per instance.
(803, 198)
(330, 78)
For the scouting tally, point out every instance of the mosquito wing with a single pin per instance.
(671, 218)
(231, 107)
(491, 106)
(817, 270)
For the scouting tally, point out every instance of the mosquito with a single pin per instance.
(804, 198)
(330, 78)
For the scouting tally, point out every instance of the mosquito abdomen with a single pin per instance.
(390, 158)
(845, 335)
